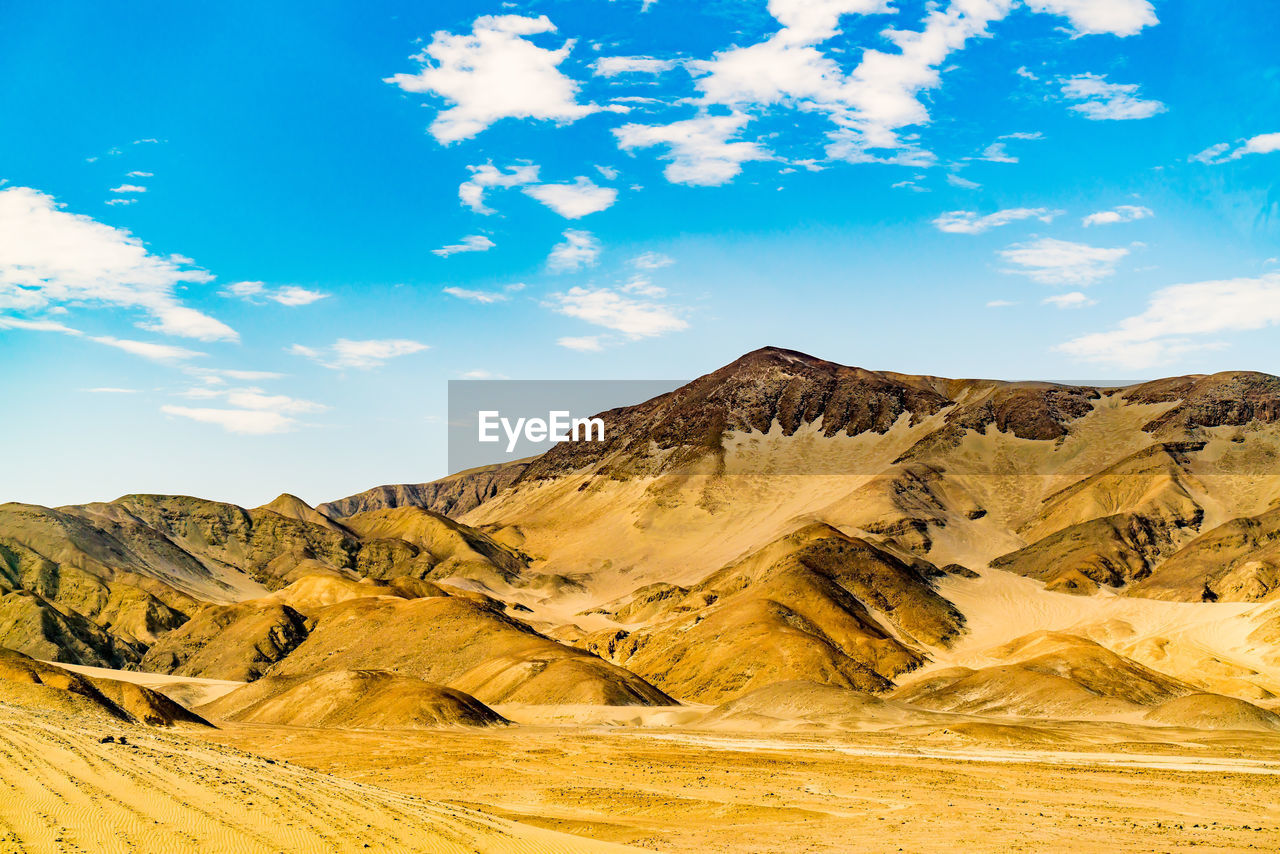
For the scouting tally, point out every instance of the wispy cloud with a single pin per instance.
(482, 297)
(1061, 262)
(248, 422)
(969, 222)
(470, 243)
(487, 176)
(579, 249)
(37, 325)
(359, 355)
(620, 311)
(612, 66)
(290, 295)
(1121, 213)
(652, 261)
(149, 350)
(583, 344)
(1103, 101)
(1225, 152)
(1075, 299)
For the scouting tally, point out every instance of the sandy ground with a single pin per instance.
(63, 790)
(1103, 789)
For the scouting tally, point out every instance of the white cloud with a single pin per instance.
(576, 200)
(996, 153)
(255, 398)
(245, 289)
(642, 286)
(583, 344)
(613, 309)
(470, 243)
(957, 181)
(49, 257)
(579, 249)
(607, 172)
(111, 390)
(122, 201)
(471, 192)
(1121, 213)
(1093, 17)
(148, 350)
(37, 325)
(812, 21)
(1101, 101)
(128, 188)
(652, 261)
(612, 66)
(482, 297)
(1075, 299)
(360, 355)
(701, 150)
(482, 374)
(495, 73)
(217, 374)
(1060, 262)
(1177, 318)
(140, 175)
(243, 421)
(1000, 303)
(883, 93)
(290, 295)
(1223, 152)
(187, 323)
(969, 222)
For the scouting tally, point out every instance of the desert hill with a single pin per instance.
(353, 699)
(817, 605)
(34, 685)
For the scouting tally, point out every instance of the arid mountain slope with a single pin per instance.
(463, 644)
(817, 605)
(106, 584)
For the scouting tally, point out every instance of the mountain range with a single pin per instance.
(785, 522)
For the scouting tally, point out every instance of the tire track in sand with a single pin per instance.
(63, 790)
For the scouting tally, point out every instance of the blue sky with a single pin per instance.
(244, 246)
